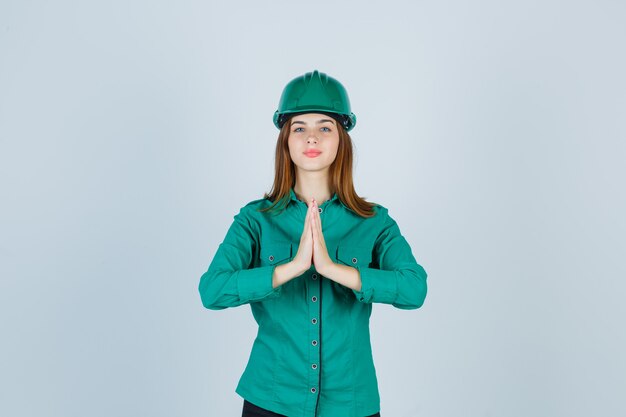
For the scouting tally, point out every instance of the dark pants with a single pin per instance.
(251, 410)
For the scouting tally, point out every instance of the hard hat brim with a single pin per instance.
(351, 118)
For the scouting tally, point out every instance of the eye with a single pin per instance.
(327, 129)
(297, 129)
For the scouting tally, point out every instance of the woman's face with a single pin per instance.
(313, 141)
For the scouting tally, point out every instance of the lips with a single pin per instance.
(312, 153)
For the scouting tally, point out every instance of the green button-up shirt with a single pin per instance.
(312, 355)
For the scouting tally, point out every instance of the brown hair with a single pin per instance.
(340, 175)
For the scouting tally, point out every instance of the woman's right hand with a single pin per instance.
(303, 259)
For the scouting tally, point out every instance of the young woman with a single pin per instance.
(310, 258)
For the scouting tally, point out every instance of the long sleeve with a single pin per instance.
(399, 280)
(230, 279)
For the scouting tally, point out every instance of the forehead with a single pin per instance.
(311, 118)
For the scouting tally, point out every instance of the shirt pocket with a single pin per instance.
(354, 255)
(275, 253)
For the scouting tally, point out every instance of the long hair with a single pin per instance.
(340, 175)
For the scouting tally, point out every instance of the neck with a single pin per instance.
(312, 185)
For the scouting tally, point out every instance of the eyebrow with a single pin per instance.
(318, 122)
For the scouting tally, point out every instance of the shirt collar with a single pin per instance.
(292, 197)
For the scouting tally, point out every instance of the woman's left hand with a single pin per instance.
(321, 260)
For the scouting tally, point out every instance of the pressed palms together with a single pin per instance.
(312, 249)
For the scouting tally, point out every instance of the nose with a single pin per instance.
(312, 138)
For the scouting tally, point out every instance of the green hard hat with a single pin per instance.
(315, 92)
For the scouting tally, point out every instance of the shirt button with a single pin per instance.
(319, 209)
(271, 258)
(314, 366)
(314, 276)
(353, 260)
(314, 298)
(314, 321)
(313, 390)
(314, 343)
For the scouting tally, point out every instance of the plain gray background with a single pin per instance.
(131, 132)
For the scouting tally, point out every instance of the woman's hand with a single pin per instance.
(304, 257)
(321, 260)
(313, 249)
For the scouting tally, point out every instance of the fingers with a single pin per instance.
(316, 224)
(310, 216)
(308, 220)
(305, 250)
(312, 221)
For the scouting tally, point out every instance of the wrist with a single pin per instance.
(283, 273)
(328, 271)
(296, 268)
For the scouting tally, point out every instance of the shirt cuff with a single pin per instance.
(377, 285)
(256, 284)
